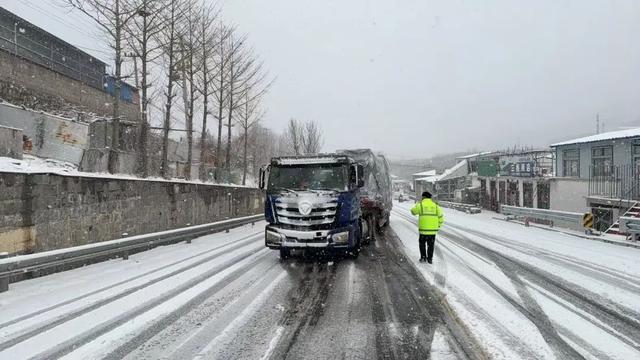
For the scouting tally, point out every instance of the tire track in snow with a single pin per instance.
(103, 328)
(97, 291)
(621, 279)
(47, 325)
(587, 301)
(138, 340)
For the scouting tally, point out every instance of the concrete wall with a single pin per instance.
(621, 154)
(568, 194)
(52, 136)
(10, 142)
(22, 82)
(40, 212)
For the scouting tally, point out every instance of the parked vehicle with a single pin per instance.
(376, 195)
(312, 202)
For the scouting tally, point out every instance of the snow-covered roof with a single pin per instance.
(451, 172)
(430, 179)
(425, 173)
(310, 160)
(611, 135)
(471, 156)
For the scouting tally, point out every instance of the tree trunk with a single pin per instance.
(219, 143)
(185, 98)
(203, 138)
(143, 168)
(229, 119)
(115, 137)
(244, 156)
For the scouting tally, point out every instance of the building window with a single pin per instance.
(602, 160)
(571, 163)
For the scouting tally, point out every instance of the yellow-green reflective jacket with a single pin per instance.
(430, 217)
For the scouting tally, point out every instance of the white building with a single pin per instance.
(598, 173)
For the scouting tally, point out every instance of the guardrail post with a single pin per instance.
(4, 281)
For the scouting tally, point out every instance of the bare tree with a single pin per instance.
(189, 67)
(170, 38)
(248, 116)
(220, 87)
(263, 145)
(235, 70)
(143, 32)
(293, 136)
(112, 16)
(303, 137)
(208, 41)
(312, 138)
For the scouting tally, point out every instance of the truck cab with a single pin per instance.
(312, 203)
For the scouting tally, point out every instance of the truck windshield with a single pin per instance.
(324, 177)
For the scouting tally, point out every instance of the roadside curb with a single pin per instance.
(627, 244)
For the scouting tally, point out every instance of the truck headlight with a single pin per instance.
(273, 237)
(341, 237)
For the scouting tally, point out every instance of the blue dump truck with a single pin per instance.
(312, 203)
(315, 203)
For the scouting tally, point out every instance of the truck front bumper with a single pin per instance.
(341, 238)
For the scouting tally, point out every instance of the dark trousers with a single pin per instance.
(430, 240)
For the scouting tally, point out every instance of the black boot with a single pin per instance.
(423, 259)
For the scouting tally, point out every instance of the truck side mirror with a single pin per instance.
(360, 177)
(262, 178)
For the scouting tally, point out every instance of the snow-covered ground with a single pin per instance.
(523, 293)
(530, 293)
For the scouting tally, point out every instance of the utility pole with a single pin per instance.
(598, 123)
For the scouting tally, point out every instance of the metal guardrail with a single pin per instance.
(571, 218)
(630, 225)
(468, 208)
(22, 264)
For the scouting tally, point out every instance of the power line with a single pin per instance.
(64, 22)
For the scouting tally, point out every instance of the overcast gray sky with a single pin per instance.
(414, 78)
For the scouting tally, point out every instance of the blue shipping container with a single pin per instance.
(126, 91)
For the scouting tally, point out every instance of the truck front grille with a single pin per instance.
(321, 214)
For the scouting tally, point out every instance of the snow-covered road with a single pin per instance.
(510, 292)
(534, 293)
(225, 296)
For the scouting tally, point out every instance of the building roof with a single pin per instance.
(42, 32)
(430, 179)
(452, 172)
(471, 156)
(425, 173)
(611, 135)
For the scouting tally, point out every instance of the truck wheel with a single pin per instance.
(354, 253)
(364, 232)
(285, 253)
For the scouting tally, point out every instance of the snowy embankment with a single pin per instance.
(35, 165)
(528, 292)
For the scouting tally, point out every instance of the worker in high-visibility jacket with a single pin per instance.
(430, 219)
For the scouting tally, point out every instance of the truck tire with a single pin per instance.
(285, 253)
